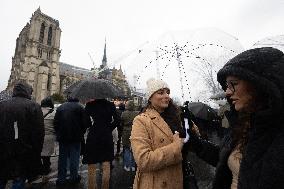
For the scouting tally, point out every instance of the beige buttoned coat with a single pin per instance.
(158, 158)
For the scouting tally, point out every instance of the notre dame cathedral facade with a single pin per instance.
(36, 60)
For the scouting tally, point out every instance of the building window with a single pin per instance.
(49, 55)
(49, 36)
(49, 82)
(39, 52)
(41, 34)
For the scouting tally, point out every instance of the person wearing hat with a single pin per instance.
(155, 142)
(252, 154)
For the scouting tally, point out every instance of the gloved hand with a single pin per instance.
(177, 139)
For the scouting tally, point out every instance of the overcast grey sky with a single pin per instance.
(126, 24)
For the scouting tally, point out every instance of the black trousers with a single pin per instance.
(46, 165)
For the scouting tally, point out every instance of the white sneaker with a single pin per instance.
(126, 168)
(132, 168)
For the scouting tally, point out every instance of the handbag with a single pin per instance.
(189, 180)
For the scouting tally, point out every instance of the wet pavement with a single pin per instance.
(121, 179)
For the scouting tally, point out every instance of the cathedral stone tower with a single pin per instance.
(36, 58)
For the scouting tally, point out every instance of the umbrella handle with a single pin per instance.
(186, 125)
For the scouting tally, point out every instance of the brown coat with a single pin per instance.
(157, 157)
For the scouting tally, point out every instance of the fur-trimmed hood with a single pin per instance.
(22, 89)
(264, 68)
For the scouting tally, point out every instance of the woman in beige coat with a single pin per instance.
(156, 150)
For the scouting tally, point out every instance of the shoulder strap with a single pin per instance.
(50, 111)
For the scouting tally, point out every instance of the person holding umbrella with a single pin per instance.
(155, 141)
(99, 143)
(252, 153)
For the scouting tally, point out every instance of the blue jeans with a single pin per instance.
(18, 183)
(128, 159)
(68, 153)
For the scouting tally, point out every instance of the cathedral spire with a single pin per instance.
(104, 61)
(38, 10)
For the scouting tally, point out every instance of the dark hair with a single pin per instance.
(72, 99)
(241, 126)
(171, 115)
(240, 129)
(47, 102)
(121, 106)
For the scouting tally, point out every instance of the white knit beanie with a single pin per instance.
(154, 85)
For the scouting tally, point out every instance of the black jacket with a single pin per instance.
(71, 122)
(20, 157)
(262, 163)
(99, 144)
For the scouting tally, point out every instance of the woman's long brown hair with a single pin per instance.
(171, 115)
(240, 130)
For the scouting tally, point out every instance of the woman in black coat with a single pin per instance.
(252, 154)
(99, 144)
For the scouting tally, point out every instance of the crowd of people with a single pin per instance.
(157, 139)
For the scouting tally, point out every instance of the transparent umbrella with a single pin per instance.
(272, 41)
(186, 60)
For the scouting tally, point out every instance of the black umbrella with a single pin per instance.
(95, 89)
(71, 88)
(202, 111)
